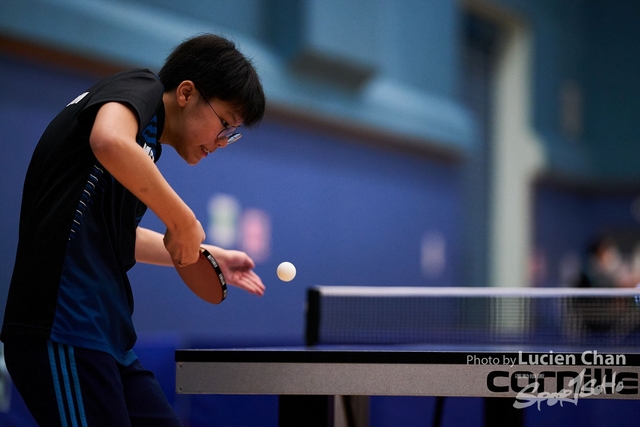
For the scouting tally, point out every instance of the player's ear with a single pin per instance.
(185, 92)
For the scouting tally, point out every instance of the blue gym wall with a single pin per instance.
(346, 211)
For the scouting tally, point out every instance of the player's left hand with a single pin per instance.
(237, 268)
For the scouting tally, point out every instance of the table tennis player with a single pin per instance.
(68, 331)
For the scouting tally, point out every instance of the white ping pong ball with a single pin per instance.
(286, 271)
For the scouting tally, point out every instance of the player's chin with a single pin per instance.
(197, 156)
(192, 160)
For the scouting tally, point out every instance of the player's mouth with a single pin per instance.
(205, 150)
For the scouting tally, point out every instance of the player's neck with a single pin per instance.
(171, 110)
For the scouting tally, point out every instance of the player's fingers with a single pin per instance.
(250, 284)
(188, 258)
(248, 287)
(255, 279)
(181, 254)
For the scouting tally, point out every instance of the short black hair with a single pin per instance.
(219, 71)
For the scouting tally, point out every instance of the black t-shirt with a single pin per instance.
(78, 226)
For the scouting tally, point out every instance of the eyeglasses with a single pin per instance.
(228, 132)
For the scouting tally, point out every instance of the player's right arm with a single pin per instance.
(113, 141)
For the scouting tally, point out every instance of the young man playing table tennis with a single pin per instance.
(67, 330)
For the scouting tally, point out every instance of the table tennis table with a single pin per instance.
(517, 374)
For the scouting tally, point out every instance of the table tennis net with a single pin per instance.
(377, 315)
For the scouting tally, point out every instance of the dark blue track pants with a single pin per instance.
(65, 386)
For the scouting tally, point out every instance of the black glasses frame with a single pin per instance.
(229, 132)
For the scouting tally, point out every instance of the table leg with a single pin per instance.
(306, 410)
(500, 411)
(324, 411)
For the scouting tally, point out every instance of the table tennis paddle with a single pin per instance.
(204, 278)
